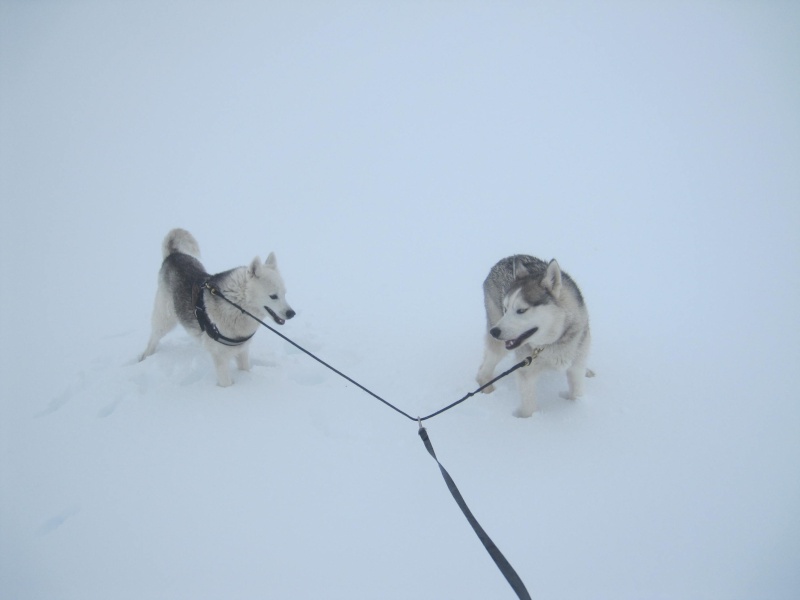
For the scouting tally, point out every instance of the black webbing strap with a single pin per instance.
(505, 567)
(204, 321)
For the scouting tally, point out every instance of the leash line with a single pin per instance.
(216, 292)
(524, 363)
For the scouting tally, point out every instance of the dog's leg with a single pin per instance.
(575, 375)
(526, 381)
(243, 359)
(222, 367)
(492, 355)
(577, 372)
(162, 322)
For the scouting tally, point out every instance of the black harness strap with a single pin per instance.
(505, 567)
(208, 327)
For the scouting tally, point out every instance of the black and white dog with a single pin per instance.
(184, 296)
(534, 307)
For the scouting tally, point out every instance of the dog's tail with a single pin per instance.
(180, 240)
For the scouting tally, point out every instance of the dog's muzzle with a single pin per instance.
(495, 332)
(289, 314)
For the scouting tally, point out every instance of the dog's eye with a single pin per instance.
(521, 311)
(274, 296)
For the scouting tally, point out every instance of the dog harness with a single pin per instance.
(207, 326)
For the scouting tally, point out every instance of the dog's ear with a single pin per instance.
(552, 278)
(252, 270)
(520, 272)
(271, 261)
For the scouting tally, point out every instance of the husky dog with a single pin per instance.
(224, 331)
(534, 307)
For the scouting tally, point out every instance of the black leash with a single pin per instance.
(505, 567)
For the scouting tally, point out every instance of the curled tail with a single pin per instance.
(180, 240)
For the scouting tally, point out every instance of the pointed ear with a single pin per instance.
(255, 265)
(552, 278)
(271, 261)
(520, 272)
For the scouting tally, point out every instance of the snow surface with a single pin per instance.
(390, 153)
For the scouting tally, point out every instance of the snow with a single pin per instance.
(390, 154)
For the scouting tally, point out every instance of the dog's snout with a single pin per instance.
(290, 313)
(495, 332)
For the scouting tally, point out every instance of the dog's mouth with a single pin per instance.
(517, 342)
(275, 316)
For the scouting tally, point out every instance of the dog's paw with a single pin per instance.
(522, 413)
(568, 396)
(482, 380)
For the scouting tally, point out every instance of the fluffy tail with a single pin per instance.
(180, 240)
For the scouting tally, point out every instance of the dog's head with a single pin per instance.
(266, 289)
(532, 310)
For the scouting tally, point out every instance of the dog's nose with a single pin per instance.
(495, 331)
(290, 313)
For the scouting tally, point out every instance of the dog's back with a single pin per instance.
(182, 274)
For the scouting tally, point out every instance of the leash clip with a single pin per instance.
(536, 352)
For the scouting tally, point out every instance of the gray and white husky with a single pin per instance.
(534, 307)
(222, 329)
